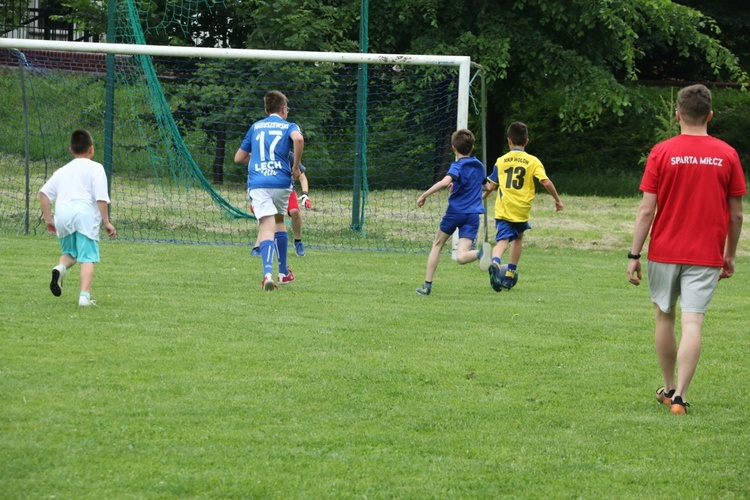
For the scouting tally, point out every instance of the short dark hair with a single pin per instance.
(80, 141)
(274, 101)
(694, 104)
(518, 133)
(463, 141)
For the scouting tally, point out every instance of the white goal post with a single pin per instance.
(462, 62)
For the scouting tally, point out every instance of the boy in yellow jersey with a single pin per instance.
(514, 175)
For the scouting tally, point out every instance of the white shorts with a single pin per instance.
(269, 201)
(694, 285)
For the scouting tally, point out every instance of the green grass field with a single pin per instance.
(189, 382)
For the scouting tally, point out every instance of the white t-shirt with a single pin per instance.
(75, 189)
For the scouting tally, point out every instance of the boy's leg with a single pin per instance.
(281, 240)
(515, 250)
(665, 345)
(67, 260)
(87, 277)
(464, 253)
(58, 273)
(296, 217)
(510, 277)
(468, 227)
(498, 251)
(87, 254)
(434, 258)
(689, 350)
(267, 246)
(255, 251)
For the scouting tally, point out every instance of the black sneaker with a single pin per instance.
(55, 285)
(664, 397)
(496, 278)
(510, 279)
(678, 406)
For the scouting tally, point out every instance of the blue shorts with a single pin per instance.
(80, 247)
(467, 225)
(509, 230)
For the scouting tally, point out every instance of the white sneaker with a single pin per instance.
(58, 275)
(486, 260)
(84, 302)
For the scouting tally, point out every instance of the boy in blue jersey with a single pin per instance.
(465, 179)
(265, 150)
(293, 211)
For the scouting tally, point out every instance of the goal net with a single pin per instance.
(167, 121)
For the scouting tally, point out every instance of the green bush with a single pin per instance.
(607, 159)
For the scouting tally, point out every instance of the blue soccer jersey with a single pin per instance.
(468, 175)
(269, 142)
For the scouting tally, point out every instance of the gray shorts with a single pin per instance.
(694, 285)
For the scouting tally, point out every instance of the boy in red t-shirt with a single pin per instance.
(692, 203)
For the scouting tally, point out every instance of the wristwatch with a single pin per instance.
(635, 256)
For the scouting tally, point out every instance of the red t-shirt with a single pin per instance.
(692, 177)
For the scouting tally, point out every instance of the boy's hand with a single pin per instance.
(111, 231)
(421, 200)
(50, 225)
(558, 205)
(634, 272)
(727, 269)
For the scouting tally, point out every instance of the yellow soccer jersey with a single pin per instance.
(514, 173)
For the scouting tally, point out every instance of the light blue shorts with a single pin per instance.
(80, 247)
(694, 285)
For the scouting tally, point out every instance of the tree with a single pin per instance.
(733, 18)
(588, 52)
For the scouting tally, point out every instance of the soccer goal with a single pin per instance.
(167, 120)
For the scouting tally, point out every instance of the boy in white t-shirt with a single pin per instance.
(79, 190)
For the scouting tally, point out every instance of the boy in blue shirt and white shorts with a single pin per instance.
(265, 150)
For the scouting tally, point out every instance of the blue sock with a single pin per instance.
(512, 267)
(282, 243)
(496, 260)
(267, 251)
(86, 294)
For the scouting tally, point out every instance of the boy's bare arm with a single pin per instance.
(733, 236)
(303, 183)
(241, 157)
(551, 190)
(487, 188)
(299, 145)
(441, 184)
(104, 211)
(49, 222)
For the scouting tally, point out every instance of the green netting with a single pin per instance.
(177, 123)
